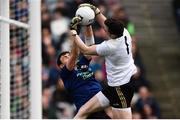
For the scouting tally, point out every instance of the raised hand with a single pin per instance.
(75, 22)
(94, 8)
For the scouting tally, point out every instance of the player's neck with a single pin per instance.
(113, 36)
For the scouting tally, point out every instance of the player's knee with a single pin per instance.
(83, 111)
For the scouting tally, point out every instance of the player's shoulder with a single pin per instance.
(125, 33)
(112, 44)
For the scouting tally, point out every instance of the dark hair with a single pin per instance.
(58, 62)
(115, 27)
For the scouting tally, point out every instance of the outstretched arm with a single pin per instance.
(88, 50)
(73, 56)
(74, 51)
(89, 38)
(100, 19)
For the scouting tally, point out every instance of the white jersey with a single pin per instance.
(118, 58)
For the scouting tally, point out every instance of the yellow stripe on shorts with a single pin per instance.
(121, 97)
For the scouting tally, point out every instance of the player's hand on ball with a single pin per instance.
(75, 22)
(94, 8)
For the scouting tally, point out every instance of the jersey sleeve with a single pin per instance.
(65, 73)
(103, 49)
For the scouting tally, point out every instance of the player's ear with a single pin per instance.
(106, 29)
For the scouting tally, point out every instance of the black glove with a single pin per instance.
(94, 8)
(75, 22)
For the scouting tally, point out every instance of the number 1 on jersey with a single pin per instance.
(127, 45)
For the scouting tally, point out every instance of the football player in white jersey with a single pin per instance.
(120, 67)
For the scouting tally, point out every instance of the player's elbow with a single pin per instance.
(90, 50)
(86, 51)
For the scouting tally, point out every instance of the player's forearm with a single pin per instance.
(101, 18)
(89, 37)
(83, 47)
(88, 50)
(88, 31)
(74, 51)
(74, 54)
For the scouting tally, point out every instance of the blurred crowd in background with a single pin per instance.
(56, 16)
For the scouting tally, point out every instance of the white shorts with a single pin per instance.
(102, 99)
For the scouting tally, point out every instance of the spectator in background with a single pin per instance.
(59, 24)
(45, 16)
(46, 33)
(100, 34)
(136, 115)
(48, 54)
(176, 10)
(148, 112)
(45, 75)
(146, 105)
(57, 103)
(46, 97)
(96, 63)
(120, 14)
(47, 48)
(62, 103)
(140, 76)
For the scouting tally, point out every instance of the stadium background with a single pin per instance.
(152, 24)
